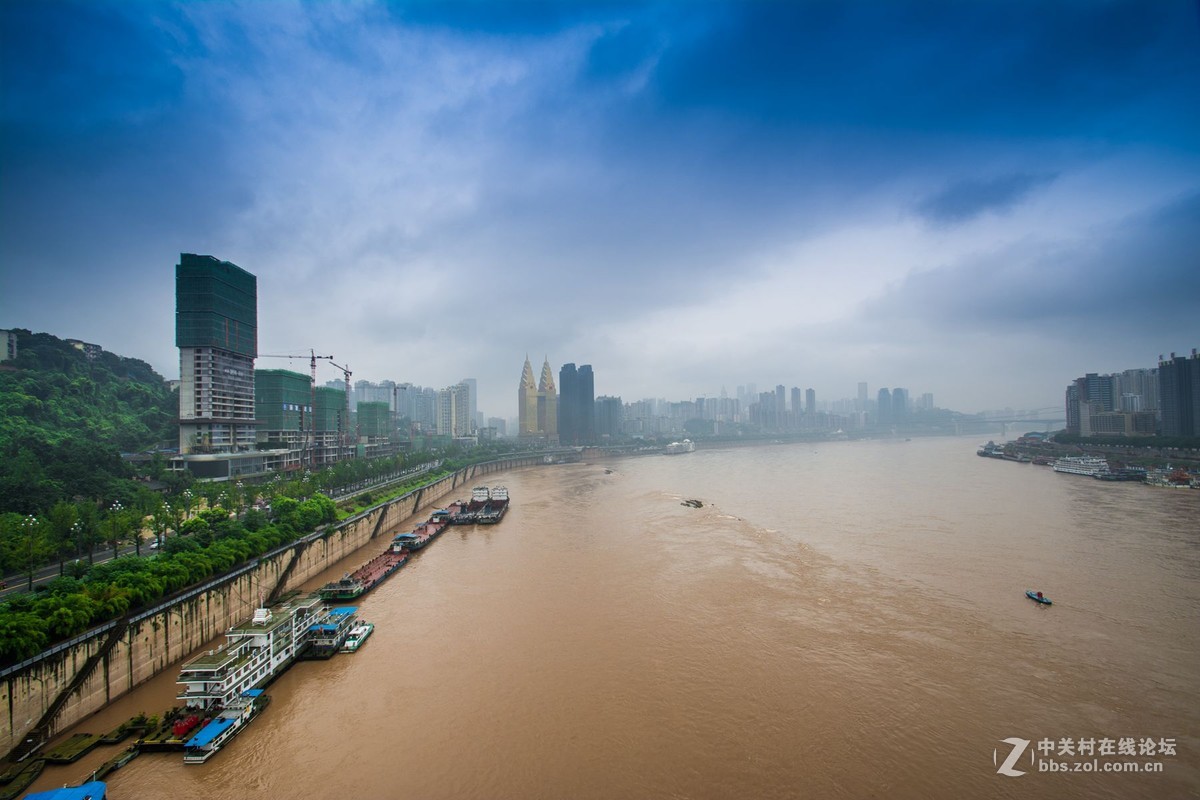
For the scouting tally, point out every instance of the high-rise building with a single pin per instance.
(568, 405)
(862, 397)
(885, 408)
(331, 417)
(527, 403)
(547, 404)
(282, 405)
(463, 423)
(796, 407)
(1074, 417)
(608, 414)
(216, 331)
(1137, 390)
(369, 392)
(374, 421)
(587, 404)
(1087, 397)
(473, 401)
(899, 405)
(810, 401)
(1179, 394)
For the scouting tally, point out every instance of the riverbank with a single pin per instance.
(52, 692)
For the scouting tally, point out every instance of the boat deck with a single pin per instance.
(379, 568)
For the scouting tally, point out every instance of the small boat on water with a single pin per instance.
(1037, 597)
(358, 635)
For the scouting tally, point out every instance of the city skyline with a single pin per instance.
(977, 201)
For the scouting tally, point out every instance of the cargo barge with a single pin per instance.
(497, 506)
(486, 507)
(424, 533)
(365, 578)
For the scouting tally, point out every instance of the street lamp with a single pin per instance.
(114, 510)
(30, 524)
(161, 528)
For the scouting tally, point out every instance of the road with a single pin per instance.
(18, 582)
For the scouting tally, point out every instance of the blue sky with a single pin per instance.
(982, 200)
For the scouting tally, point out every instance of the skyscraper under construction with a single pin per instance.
(216, 331)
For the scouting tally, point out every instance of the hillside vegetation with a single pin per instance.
(65, 419)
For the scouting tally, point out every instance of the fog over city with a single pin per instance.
(978, 200)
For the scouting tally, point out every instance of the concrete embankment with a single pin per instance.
(53, 691)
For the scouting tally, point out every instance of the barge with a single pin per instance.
(486, 507)
(366, 577)
(496, 507)
(423, 534)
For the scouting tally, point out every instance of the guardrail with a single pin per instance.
(227, 577)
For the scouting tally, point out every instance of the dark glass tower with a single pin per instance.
(586, 410)
(568, 405)
(1179, 394)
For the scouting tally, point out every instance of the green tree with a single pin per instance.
(22, 634)
(60, 524)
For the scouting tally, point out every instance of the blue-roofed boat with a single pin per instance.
(326, 638)
(229, 723)
(92, 790)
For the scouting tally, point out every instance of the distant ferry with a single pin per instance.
(677, 448)
(1081, 465)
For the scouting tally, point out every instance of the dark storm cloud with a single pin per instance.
(98, 131)
(73, 68)
(634, 184)
(940, 66)
(965, 200)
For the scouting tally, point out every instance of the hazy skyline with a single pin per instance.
(979, 200)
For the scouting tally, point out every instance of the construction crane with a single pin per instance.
(310, 452)
(346, 431)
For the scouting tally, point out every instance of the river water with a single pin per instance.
(839, 620)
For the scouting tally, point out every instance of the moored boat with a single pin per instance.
(92, 790)
(229, 723)
(1081, 465)
(347, 588)
(495, 508)
(358, 636)
(254, 653)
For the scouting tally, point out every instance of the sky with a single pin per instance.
(981, 200)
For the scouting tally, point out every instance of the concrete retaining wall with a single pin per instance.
(159, 639)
